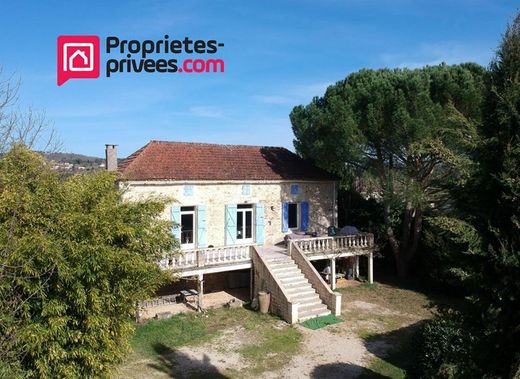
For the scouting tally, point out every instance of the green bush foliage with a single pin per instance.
(444, 349)
(75, 260)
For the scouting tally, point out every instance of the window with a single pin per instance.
(244, 223)
(292, 219)
(294, 189)
(188, 227)
(246, 189)
(295, 216)
(188, 190)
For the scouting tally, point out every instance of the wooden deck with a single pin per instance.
(336, 247)
(238, 257)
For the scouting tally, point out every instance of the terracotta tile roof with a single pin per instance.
(161, 160)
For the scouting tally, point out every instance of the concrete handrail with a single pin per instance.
(331, 299)
(312, 245)
(202, 257)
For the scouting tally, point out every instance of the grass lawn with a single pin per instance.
(262, 336)
(392, 318)
(237, 343)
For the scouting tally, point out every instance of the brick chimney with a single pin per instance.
(111, 157)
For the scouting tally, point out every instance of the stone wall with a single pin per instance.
(215, 195)
(263, 280)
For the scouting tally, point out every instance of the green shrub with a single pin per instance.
(444, 348)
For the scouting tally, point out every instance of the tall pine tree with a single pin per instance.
(480, 240)
(497, 204)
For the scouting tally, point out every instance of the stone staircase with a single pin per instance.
(297, 287)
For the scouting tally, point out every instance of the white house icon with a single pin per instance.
(76, 53)
(74, 48)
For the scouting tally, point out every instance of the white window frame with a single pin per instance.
(189, 246)
(251, 209)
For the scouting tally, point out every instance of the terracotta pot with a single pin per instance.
(264, 299)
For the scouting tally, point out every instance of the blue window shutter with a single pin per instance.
(285, 217)
(259, 224)
(201, 226)
(231, 224)
(188, 190)
(304, 210)
(246, 189)
(176, 218)
(294, 189)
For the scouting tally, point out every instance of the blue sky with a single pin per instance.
(277, 54)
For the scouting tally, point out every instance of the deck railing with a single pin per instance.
(337, 244)
(208, 257)
(213, 256)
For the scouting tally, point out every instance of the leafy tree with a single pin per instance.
(406, 132)
(76, 258)
(496, 207)
(481, 239)
(32, 129)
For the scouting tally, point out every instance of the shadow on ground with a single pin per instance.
(168, 361)
(394, 348)
(342, 371)
(438, 296)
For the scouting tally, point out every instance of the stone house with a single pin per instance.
(234, 207)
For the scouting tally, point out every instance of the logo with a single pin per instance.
(78, 58)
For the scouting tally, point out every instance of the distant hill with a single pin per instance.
(70, 163)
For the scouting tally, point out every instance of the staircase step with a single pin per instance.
(311, 313)
(281, 266)
(303, 298)
(300, 283)
(293, 279)
(316, 305)
(279, 260)
(307, 316)
(297, 287)
(300, 291)
(304, 288)
(287, 273)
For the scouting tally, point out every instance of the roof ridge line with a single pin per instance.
(216, 144)
(199, 160)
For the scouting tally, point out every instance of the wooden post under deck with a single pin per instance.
(356, 267)
(333, 274)
(251, 283)
(371, 268)
(200, 290)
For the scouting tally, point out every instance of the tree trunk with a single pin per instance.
(408, 248)
(402, 266)
(405, 249)
(392, 240)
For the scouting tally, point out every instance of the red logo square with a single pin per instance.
(78, 58)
